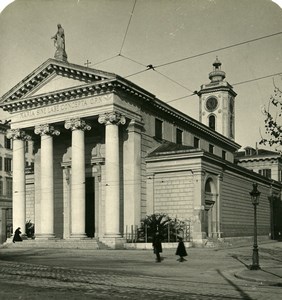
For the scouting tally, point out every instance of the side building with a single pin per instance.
(107, 153)
(5, 184)
(6, 174)
(269, 164)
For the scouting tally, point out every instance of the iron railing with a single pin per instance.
(135, 234)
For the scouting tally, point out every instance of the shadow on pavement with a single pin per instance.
(241, 292)
(237, 258)
(271, 273)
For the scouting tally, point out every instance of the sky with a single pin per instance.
(181, 38)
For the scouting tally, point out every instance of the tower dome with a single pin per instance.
(216, 75)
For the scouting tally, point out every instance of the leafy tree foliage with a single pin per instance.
(168, 228)
(273, 124)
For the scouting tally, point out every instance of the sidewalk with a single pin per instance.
(230, 261)
(271, 267)
(266, 275)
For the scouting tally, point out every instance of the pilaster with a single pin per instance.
(198, 215)
(132, 174)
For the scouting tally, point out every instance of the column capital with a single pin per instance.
(17, 134)
(112, 118)
(76, 124)
(135, 125)
(46, 129)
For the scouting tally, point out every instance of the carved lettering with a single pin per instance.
(63, 107)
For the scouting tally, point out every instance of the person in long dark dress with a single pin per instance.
(17, 235)
(157, 244)
(181, 251)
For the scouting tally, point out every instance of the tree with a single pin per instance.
(272, 122)
(169, 228)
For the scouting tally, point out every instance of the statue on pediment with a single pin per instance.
(59, 43)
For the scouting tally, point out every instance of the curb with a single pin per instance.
(254, 278)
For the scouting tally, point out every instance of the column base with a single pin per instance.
(113, 242)
(198, 239)
(44, 236)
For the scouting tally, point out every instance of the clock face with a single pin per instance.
(211, 104)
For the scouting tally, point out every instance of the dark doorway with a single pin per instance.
(89, 207)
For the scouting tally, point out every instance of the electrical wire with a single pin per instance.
(127, 27)
(218, 49)
(255, 79)
(174, 81)
(238, 83)
(135, 61)
(107, 59)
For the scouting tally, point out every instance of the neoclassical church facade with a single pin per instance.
(107, 153)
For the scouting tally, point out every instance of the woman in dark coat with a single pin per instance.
(181, 251)
(157, 244)
(17, 237)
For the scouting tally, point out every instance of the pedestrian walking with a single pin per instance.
(181, 251)
(17, 235)
(157, 244)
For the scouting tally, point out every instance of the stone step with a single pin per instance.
(55, 243)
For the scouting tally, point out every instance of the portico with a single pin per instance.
(65, 160)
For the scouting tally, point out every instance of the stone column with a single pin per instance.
(112, 188)
(77, 126)
(47, 180)
(19, 197)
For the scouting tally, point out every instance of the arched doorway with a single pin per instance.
(210, 208)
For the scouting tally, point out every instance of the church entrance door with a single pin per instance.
(90, 206)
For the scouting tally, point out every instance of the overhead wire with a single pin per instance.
(172, 80)
(127, 26)
(218, 49)
(238, 83)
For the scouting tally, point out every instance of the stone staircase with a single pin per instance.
(87, 243)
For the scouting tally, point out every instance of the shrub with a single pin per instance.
(29, 229)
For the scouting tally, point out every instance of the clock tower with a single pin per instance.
(217, 103)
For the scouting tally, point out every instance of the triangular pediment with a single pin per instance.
(54, 75)
(57, 83)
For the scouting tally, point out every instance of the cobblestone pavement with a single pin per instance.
(131, 274)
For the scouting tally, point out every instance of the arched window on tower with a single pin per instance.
(212, 122)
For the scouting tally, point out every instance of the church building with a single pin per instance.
(107, 153)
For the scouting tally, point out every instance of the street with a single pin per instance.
(208, 273)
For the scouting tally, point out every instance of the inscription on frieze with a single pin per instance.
(64, 107)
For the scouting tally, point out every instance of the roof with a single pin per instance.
(170, 148)
(259, 154)
(80, 81)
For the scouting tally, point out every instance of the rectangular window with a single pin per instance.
(1, 163)
(265, 172)
(1, 187)
(211, 148)
(8, 143)
(9, 187)
(179, 134)
(196, 142)
(223, 154)
(7, 164)
(158, 129)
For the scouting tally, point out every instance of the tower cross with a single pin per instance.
(87, 63)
